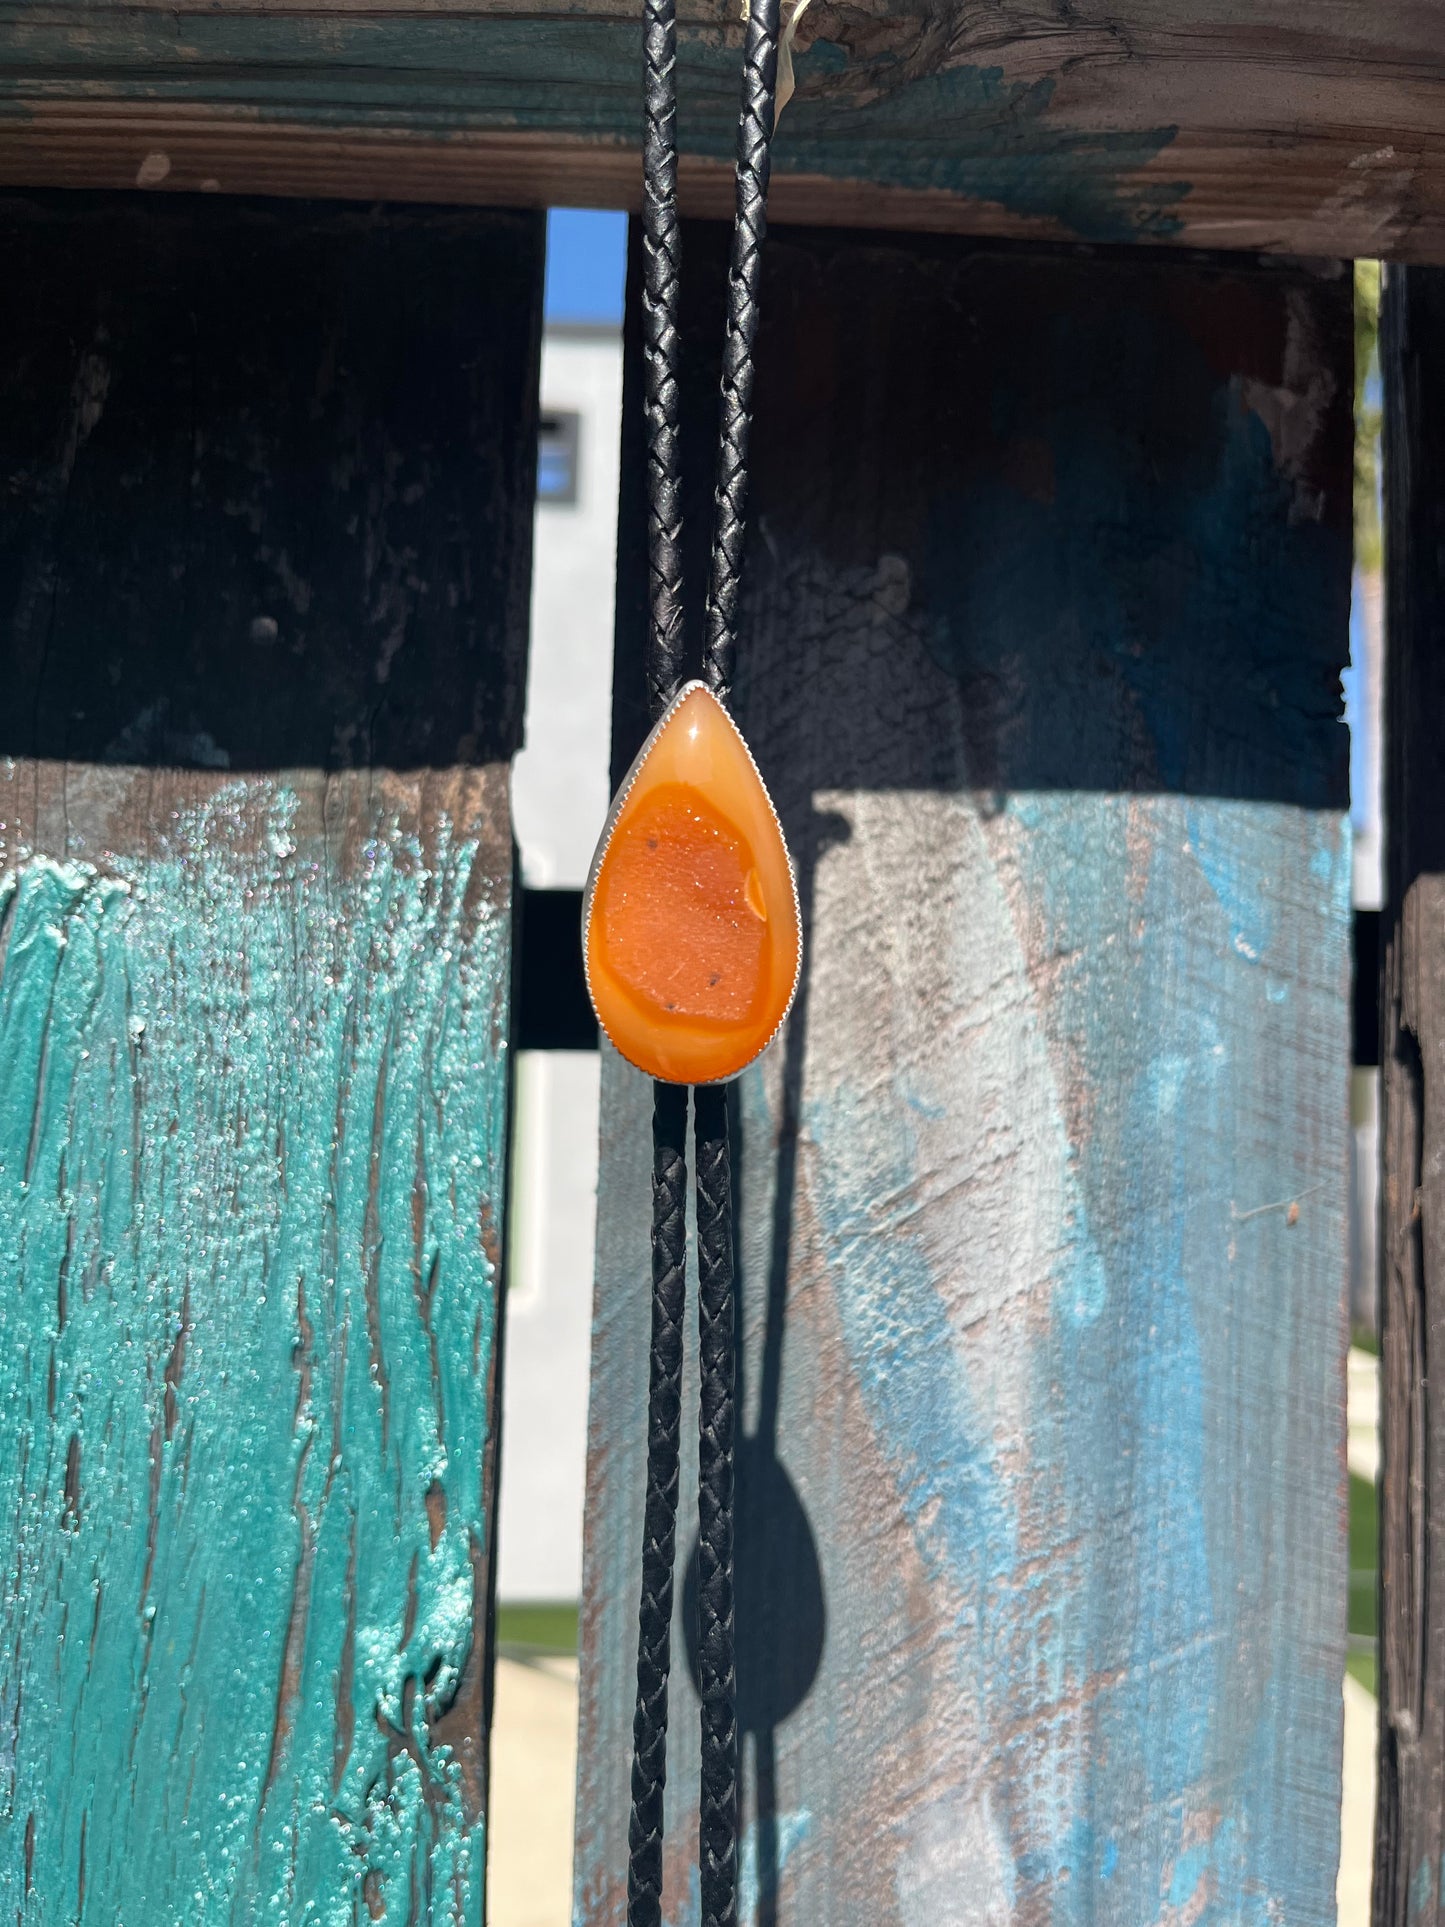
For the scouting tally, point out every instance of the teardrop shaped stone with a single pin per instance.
(691, 935)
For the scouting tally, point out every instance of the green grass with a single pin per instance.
(1364, 1600)
(543, 1628)
(1361, 1667)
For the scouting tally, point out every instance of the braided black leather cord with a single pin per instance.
(717, 1674)
(659, 1531)
(717, 1681)
(660, 244)
(661, 248)
(718, 1814)
(750, 226)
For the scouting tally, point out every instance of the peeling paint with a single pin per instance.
(961, 128)
(1004, 147)
(254, 1102)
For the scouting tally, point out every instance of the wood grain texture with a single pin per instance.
(1041, 1557)
(262, 596)
(1410, 1826)
(1304, 129)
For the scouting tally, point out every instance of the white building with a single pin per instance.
(559, 801)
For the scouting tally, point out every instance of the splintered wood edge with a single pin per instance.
(1304, 196)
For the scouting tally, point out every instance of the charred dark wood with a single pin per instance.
(1410, 1832)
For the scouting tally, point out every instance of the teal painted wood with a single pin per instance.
(1041, 1558)
(262, 583)
(577, 76)
(1244, 125)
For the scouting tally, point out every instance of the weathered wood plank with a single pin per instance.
(1041, 1564)
(263, 573)
(1410, 1828)
(1259, 125)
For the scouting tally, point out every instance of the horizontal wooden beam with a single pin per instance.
(1314, 128)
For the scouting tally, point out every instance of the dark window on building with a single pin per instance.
(557, 436)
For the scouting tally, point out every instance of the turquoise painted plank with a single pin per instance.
(249, 1177)
(447, 74)
(1249, 125)
(1041, 1561)
(262, 587)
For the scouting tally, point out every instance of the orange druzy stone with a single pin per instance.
(691, 940)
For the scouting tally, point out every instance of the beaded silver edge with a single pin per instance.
(604, 841)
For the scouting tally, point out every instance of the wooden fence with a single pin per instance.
(1042, 1199)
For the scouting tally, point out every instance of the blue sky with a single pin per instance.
(586, 265)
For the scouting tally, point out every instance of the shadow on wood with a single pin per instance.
(259, 468)
(1048, 588)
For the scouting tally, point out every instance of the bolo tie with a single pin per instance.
(692, 947)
